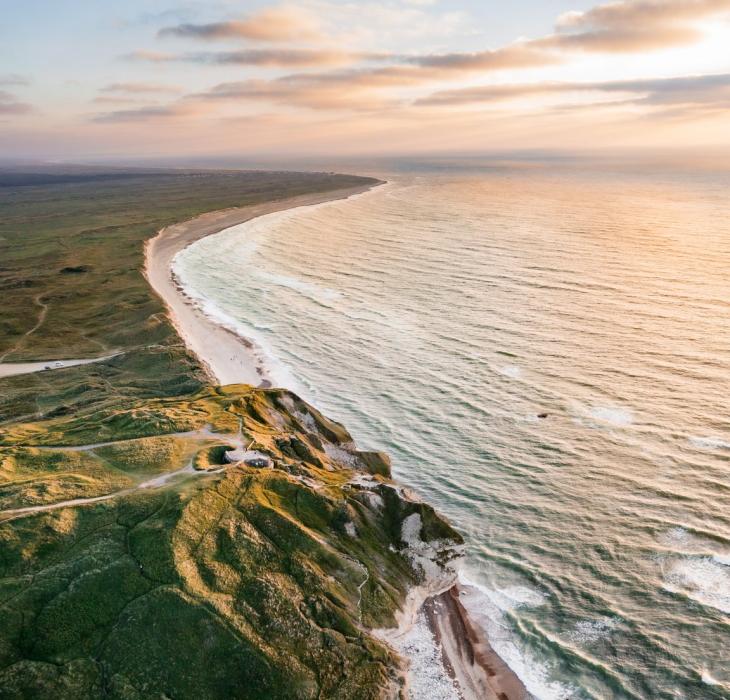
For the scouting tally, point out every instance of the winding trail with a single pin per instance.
(156, 482)
(159, 481)
(41, 320)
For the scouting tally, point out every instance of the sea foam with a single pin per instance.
(428, 679)
(589, 631)
(620, 417)
(710, 443)
(487, 607)
(702, 579)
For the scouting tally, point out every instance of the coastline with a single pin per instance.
(226, 356)
(229, 358)
(467, 654)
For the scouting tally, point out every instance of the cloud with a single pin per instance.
(9, 105)
(149, 112)
(275, 24)
(515, 56)
(621, 26)
(302, 90)
(271, 58)
(359, 90)
(712, 90)
(140, 88)
(630, 26)
(118, 100)
(362, 88)
(649, 13)
(13, 79)
(153, 56)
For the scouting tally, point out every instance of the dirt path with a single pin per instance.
(41, 320)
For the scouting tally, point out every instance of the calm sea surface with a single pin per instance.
(440, 316)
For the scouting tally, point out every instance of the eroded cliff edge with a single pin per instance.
(194, 578)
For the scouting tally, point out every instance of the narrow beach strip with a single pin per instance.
(227, 357)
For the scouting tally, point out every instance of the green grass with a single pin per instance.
(71, 254)
(248, 583)
(244, 583)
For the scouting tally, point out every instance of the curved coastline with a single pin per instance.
(228, 357)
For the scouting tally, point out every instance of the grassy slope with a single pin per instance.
(243, 583)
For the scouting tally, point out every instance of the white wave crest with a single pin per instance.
(710, 443)
(709, 679)
(511, 371)
(322, 295)
(702, 579)
(620, 417)
(588, 631)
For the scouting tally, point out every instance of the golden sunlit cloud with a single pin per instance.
(276, 24)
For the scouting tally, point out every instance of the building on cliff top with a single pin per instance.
(252, 458)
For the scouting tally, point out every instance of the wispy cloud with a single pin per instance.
(10, 105)
(360, 85)
(13, 79)
(152, 56)
(275, 24)
(629, 26)
(362, 88)
(118, 100)
(148, 113)
(297, 90)
(515, 56)
(687, 90)
(141, 88)
(268, 58)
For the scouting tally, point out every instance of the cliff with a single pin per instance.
(191, 578)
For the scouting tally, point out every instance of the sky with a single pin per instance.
(154, 78)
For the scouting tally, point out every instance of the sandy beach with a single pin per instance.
(227, 357)
(467, 654)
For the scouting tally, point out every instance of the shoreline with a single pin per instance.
(467, 655)
(226, 356)
(229, 358)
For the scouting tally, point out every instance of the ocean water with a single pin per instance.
(439, 316)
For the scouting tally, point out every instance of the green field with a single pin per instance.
(174, 575)
(71, 253)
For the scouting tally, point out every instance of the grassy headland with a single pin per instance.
(171, 574)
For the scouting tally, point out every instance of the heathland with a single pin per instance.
(134, 561)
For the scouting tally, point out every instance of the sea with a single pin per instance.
(544, 350)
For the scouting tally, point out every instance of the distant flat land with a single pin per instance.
(71, 253)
